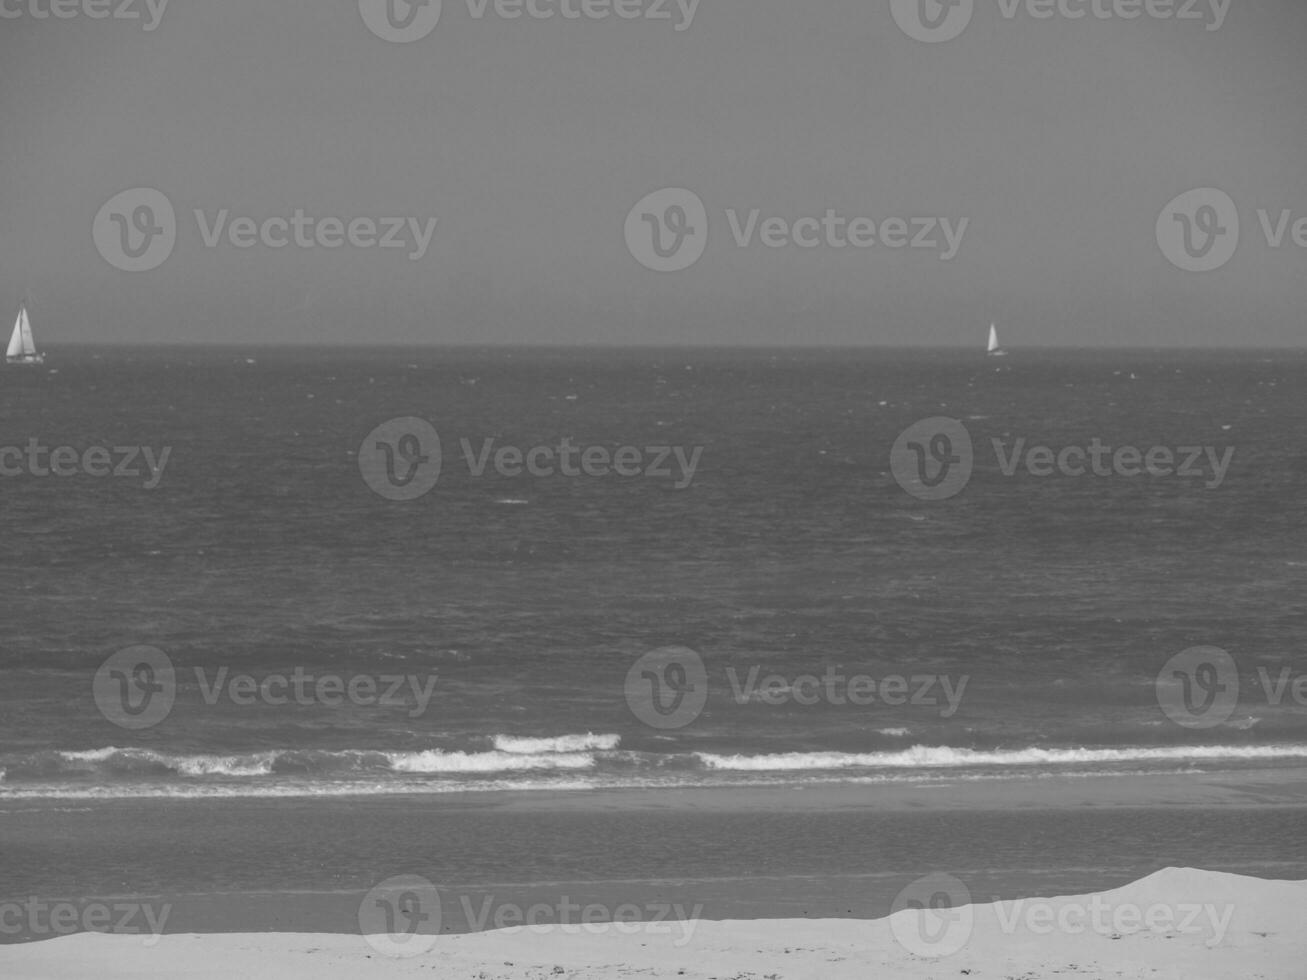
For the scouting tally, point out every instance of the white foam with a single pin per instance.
(289, 790)
(223, 765)
(92, 755)
(187, 765)
(588, 742)
(565, 752)
(434, 761)
(921, 756)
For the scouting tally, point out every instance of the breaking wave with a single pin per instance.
(561, 762)
(562, 743)
(922, 757)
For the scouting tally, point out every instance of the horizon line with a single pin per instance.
(545, 346)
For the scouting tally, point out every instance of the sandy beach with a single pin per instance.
(1177, 923)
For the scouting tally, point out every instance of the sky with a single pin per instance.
(1062, 143)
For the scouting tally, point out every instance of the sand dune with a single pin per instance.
(1177, 924)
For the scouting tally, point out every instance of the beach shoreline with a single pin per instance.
(1177, 922)
(840, 851)
(1284, 785)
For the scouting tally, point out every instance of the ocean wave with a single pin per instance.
(561, 755)
(91, 755)
(116, 762)
(278, 790)
(397, 785)
(436, 761)
(922, 756)
(222, 765)
(588, 742)
(127, 761)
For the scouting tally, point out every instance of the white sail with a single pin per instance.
(16, 338)
(21, 345)
(25, 328)
(993, 338)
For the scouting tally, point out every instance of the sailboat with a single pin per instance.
(994, 350)
(22, 349)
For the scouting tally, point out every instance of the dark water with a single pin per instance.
(261, 551)
(303, 865)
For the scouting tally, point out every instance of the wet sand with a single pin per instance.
(306, 865)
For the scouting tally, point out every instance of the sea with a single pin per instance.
(840, 624)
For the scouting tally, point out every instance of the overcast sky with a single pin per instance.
(1060, 141)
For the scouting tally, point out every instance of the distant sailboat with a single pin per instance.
(22, 349)
(994, 350)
